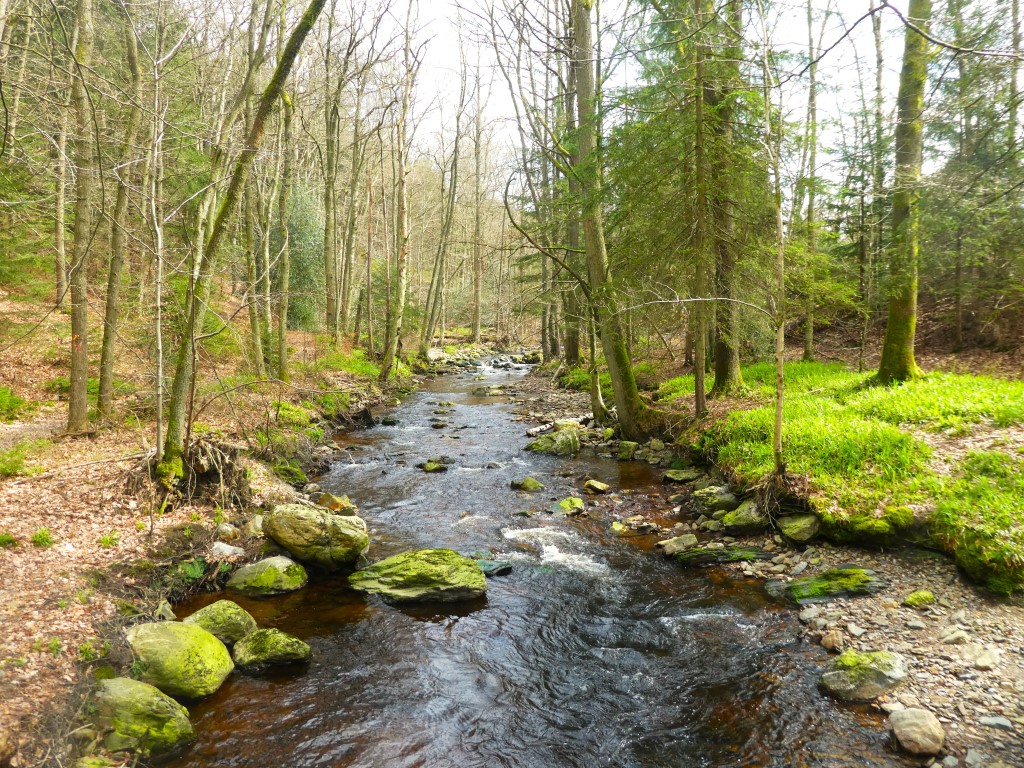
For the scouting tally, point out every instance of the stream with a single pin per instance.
(594, 651)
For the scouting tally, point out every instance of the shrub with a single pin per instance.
(11, 406)
(7, 541)
(43, 538)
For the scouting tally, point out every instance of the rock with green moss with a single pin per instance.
(339, 505)
(867, 529)
(269, 648)
(422, 575)
(716, 498)
(138, 717)
(800, 528)
(564, 442)
(225, 619)
(182, 660)
(569, 507)
(596, 487)
(273, 576)
(561, 424)
(682, 476)
(317, 537)
(433, 465)
(900, 517)
(527, 484)
(857, 676)
(995, 569)
(627, 449)
(678, 544)
(705, 556)
(747, 518)
(919, 598)
(845, 581)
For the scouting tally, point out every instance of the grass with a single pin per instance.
(11, 406)
(109, 540)
(354, 362)
(43, 538)
(867, 469)
(7, 541)
(14, 461)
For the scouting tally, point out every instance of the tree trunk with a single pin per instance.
(898, 363)
(812, 168)
(85, 220)
(60, 210)
(700, 287)
(627, 398)
(284, 195)
(119, 228)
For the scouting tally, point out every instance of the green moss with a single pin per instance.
(838, 582)
(900, 516)
(289, 471)
(919, 598)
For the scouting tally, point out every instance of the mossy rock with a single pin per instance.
(433, 465)
(596, 487)
(627, 449)
(682, 476)
(527, 484)
(318, 537)
(494, 567)
(422, 575)
(138, 717)
(716, 498)
(857, 676)
(900, 517)
(800, 528)
(919, 598)
(269, 648)
(564, 442)
(569, 507)
(273, 576)
(226, 620)
(988, 567)
(747, 518)
(845, 581)
(868, 530)
(290, 472)
(182, 660)
(702, 556)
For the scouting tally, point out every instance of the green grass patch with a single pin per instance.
(43, 538)
(7, 541)
(11, 406)
(354, 363)
(14, 460)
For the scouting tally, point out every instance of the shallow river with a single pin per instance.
(593, 652)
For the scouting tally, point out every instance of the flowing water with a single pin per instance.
(594, 651)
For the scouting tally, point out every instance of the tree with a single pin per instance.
(898, 363)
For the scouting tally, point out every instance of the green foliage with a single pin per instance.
(333, 405)
(13, 461)
(7, 541)
(11, 406)
(306, 273)
(61, 385)
(190, 571)
(291, 416)
(43, 538)
(109, 540)
(290, 471)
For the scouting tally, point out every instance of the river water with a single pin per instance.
(594, 651)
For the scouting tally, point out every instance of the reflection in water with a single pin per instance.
(593, 652)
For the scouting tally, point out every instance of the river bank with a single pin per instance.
(965, 650)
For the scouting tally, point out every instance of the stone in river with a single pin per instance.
(422, 575)
(857, 676)
(918, 731)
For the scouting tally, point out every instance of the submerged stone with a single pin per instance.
(857, 676)
(422, 575)
(137, 716)
(687, 475)
(845, 581)
(268, 648)
(704, 556)
(495, 567)
(273, 576)
(226, 620)
(318, 537)
(340, 505)
(182, 660)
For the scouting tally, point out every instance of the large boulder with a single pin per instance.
(422, 575)
(627, 448)
(318, 537)
(226, 620)
(136, 716)
(706, 556)
(745, 519)
(857, 676)
(269, 648)
(564, 442)
(683, 476)
(182, 660)
(273, 576)
(918, 731)
(799, 528)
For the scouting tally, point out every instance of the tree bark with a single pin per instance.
(85, 220)
(898, 363)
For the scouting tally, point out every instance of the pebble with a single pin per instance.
(800, 568)
(987, 661)
(956, 637)
(916, 624)
(854, 630)
(812, 612)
